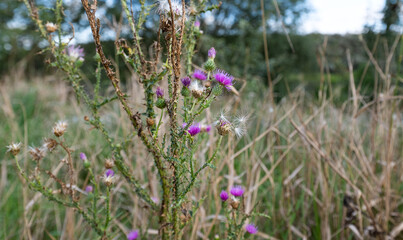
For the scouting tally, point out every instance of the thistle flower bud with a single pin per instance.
(211, 53)
(217, 90)
(251, 228)
(50, 27)
(50, 144)
(160, 103)
(89, 189)
(83, 157)
(133, 235)
(87, 164)
(224, 196)
(14, 148)
(186, 81)
(109, 163)
(185, 91)
(159, 92)
(209, 66)
(60, 128)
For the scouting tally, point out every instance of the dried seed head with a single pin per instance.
(223, 127)
(50, 144)
(109, 177)
(14, 148)
(186, 215)
(193, 11)
(196, 89)
(239, 131)
(60, 128)
(37, 153)
(197, 94)
(150, 122)
(109, 163)
(234, 203)
(86, 118)
(50, 27)
(241, 119)
(164, 8)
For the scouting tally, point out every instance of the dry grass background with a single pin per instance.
(320, 170)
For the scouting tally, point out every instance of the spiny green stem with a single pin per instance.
(108, 210)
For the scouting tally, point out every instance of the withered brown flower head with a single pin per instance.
(14, 148)
(50, 144)
(37, 153)
(60, 128)
(50, 27)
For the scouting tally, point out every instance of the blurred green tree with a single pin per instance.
(391, 14)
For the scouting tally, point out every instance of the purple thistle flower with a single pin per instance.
(200, 75)
(237, 191)
(224, 196)
(133, 235)
(186, 81)
(207, 128)
(109, 173)
(197, 24)
(159, 92)
(251, 228)
(224, 78)
(155, 200)
(194, 129)
(75, 53)
(211, 53)
(184, 125)
(83, 156)
(89, 188)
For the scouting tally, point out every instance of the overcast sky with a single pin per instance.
(341, 16)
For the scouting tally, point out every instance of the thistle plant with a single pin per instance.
(189, 93)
